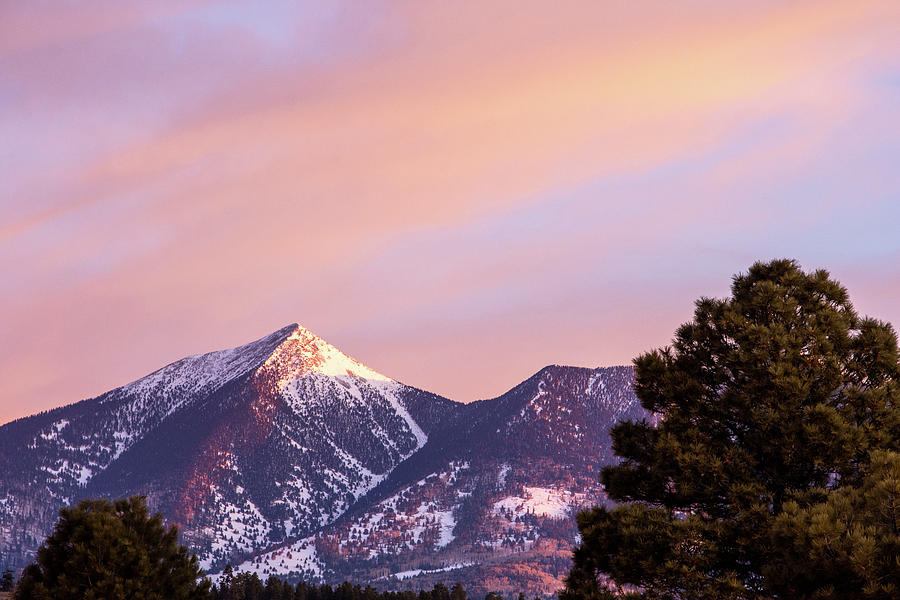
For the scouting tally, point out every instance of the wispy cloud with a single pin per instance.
(457, 194)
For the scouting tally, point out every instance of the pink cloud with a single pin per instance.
(207, 197)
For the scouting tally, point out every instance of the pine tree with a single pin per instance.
(848, 545)
(772, 404)
(274, 589)
(458, 592)
(100, 549)
(440, 592)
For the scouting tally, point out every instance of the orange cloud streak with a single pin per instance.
(300, 171)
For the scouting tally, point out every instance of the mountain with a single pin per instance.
(242, 448)
(489, 500)
(287, 457)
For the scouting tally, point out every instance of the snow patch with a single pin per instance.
(446, 523)
(596, 382)
(547, 502)
(532, 403)
(501, 476)
(187, 377)
(305, 353)
(297, 558)
(416, 572)
(242, 528)
(390, 395)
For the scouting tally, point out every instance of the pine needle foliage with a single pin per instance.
(112, 550)
(772, 472)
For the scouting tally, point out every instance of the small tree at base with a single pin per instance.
(772, 405)
(105, 550)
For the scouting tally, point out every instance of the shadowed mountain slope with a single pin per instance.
(242, 448)
(287, 457)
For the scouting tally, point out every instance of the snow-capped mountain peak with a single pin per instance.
(194, 374)
(290, 451)
(288, 354)
(240, 447)
(304, 353)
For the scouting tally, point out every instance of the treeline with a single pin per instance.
(248, 586)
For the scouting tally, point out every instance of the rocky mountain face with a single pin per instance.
(289, 458)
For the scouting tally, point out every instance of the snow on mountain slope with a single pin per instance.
(498, 483)
(242, 447)
(545, 502)
(189, 376)
(288, 457)
(304, 353)
(298, 560)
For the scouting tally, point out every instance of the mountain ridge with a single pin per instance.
(491, 509)
(287, 440)
(165, 435)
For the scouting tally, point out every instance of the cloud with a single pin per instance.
(418, 180)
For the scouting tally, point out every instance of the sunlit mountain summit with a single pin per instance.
(287, 456)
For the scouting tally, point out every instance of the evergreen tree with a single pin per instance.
(848, 545)
(772, 405)
(440, 592)
(253, 587)
(346, 591)
(240, 586)
(247, 586)
(274, 589)
(104, 550)
(457, 592)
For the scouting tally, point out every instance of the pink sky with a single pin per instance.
(456, 194)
